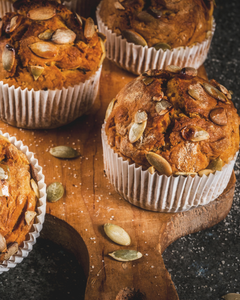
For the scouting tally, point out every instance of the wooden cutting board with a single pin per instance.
(76, 221)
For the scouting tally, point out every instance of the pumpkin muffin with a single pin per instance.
(173, 123)
(161, 28)
(46, 47)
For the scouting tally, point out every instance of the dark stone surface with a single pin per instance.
(206, 265)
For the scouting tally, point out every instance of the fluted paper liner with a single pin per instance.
(137, 59)
(158, 192)
(5, 6)
(40, 209)
(47, 109)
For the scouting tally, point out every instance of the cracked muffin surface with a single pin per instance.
(45, 46)
(173, 23)
(176, 117)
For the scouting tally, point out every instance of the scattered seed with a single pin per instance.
(140, 116)
(125, 255)
(11, 250)
(194, 134)
(218, 116)
(41, 13)
(159, 163)
(29, 216)
(46, 35)
(162, 46)
(3, 244)
(136, 131)
(64, 152)
(134, 37)
(119, 6)
(36, 71)
(117, 234)
(163, 107)
(55, 191)
(8, 57)
(35, 188)
(89, 28)
(110, 108)
(63, 36)
(44, 49)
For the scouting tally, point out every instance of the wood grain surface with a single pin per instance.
(76, 221)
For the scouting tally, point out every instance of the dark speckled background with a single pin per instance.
(204, 265)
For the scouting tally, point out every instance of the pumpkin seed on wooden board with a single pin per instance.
(125, 255)
(231, 296)
(63, 36)
(44, 49)
(35, 188)
(8, 57)
(136, 131)
(3, 244)
(134, 37)
(64, 152)
(55, 191)
(29, 216)
(117, 234)
(11, 250)
(41, 13)
(110, 108)
(159, 163)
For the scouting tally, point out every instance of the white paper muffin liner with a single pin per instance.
(40, 209)
(137, 59)
(5, 6)
(158, 192)
(47, 109)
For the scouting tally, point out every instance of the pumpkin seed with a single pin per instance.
(208, 34)
(89, 28)
(3, 244)
(117, 234)
(35, 188)
(103, 53)
(4, 172)
(184, 173)
(147, 80)
(14, 23)
(195, 91)
(144, 16)
(173, 69)
(162, 46)
(8, 57)
(110, 108)
(231, 296)
(134, 37)
(194, 134)
(41, 13)
(218, 116)
(125, 255)
(140, 116)
(119, 6)
(229, 96)
(55, 191)
(102, 37)
(44, 49)
(151, 170)
(215, 93)
(63, 36)
(205, 172)
(189, 71)
(159, 163)
(64, 152)
(46, 35)
(29, 216)
(158, 97)
(36, 71)
(216, 164)
(136, 131)
(79, 19)
(163, 107)
(155, 13)
(11, 250)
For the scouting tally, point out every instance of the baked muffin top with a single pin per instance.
(45, 46)
(17, 197)
(172, 22)
(175, 117)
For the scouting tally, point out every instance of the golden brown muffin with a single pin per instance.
(175, 118)
(46, 46)
(172, 22)
(18, 200)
